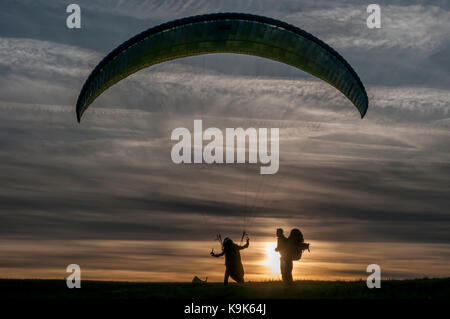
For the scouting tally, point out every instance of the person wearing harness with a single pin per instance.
(233, 262)
(290, 249)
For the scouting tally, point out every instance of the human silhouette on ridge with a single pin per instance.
(290, 249)
(233, 262)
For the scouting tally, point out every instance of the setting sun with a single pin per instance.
(272, 259)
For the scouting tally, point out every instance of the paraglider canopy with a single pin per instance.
(225, 33)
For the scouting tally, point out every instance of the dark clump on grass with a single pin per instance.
(423, 289)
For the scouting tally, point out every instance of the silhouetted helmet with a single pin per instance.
(227, 241)
(279, 232)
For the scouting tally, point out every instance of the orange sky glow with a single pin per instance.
(119, 260)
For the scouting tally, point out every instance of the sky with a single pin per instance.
(105, 194)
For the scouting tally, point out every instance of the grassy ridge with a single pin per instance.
(92, 290)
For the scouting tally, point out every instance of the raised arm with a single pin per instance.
(281, 239)
(216, 255)
(246, 244)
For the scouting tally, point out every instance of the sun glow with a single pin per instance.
(272, 259)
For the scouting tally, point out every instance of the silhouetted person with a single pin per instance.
(290, 249)
(233, 263)
(285, 258)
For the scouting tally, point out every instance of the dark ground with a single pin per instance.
(423, 289)
(304, 299)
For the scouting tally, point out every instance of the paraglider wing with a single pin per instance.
(225, 33)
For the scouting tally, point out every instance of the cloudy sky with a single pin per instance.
(105, 194)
